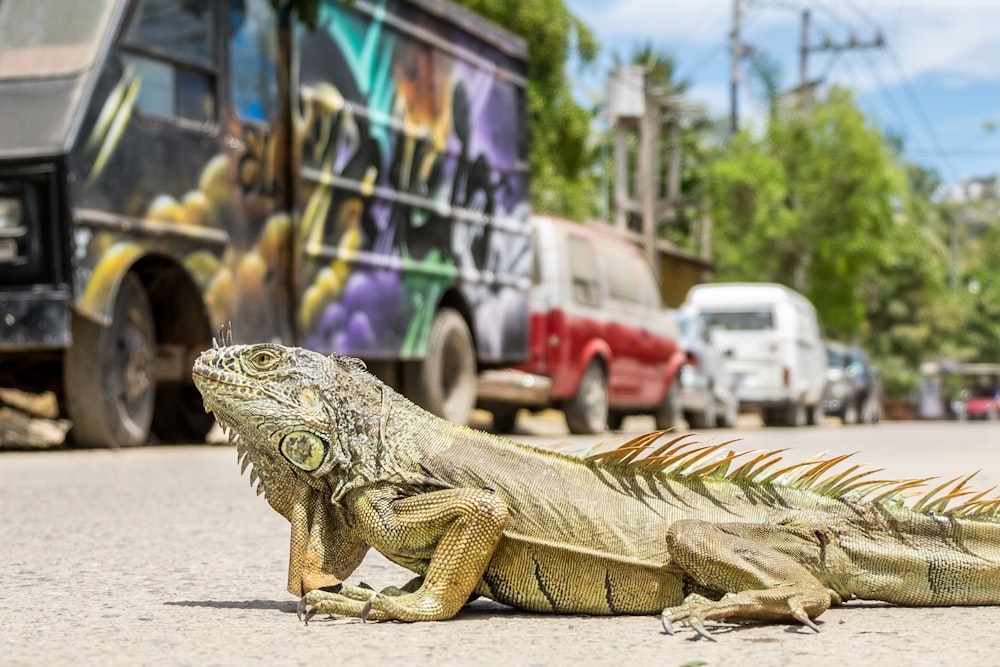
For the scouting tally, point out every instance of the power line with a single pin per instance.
(921, 116)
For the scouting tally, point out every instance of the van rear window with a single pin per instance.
(739, 320)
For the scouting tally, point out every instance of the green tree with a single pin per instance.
(808, 204)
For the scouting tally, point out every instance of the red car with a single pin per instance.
(602, 345)
(982, 404)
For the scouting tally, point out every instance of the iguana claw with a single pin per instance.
(699, 627)
(695, 625)
(304, 611)
(300, 608)
(804, 619)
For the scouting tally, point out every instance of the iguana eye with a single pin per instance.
(303, 450)
(263, 359)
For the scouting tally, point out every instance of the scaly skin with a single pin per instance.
(692, 532)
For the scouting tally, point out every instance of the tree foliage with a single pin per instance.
(808, 204)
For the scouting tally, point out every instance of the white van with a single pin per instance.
(769, 335)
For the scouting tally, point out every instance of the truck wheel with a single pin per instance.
(668, 413)
(504, 418)
(179, 414)
(445, 381)
(108, 374)
(587, 412)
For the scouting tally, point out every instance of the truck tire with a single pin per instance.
(504, 418)
(445, 381)
(108, 373)
(587, 411)
(179, 415)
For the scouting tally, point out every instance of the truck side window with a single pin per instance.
(252, 58)
(169, 45)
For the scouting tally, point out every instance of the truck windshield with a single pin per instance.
(46, 38)
(739, 320)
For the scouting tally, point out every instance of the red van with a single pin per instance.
(601, 344)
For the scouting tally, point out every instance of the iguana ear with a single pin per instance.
(304, 450)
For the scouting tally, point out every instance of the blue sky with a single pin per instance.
(936, 82)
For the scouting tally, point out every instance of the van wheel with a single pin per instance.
(587, 412)
(108, 373)
(814, 414)
(797, 415)
(445, 381)
(668, 413)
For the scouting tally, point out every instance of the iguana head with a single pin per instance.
(292, 412)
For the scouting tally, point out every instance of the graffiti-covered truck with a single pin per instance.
(169, 168)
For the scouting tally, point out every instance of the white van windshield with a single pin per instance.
(739, 320)
(45, 38)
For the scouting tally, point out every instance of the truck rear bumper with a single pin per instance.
(514, 387)
(33, 319)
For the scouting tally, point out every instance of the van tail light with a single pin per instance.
(556, 328)
(691, 359)
(786, 375)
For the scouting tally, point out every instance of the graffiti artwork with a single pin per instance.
(354, 187)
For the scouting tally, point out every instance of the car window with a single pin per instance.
(621, 273)
(629, 277)
(584, 271)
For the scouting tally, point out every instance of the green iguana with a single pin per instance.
(692, 532)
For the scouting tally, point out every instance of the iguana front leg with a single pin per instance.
(761, 582)
(454, 531)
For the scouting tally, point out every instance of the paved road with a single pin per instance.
(163, 555)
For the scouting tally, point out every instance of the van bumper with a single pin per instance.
(511, 386)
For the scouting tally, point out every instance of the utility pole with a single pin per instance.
(804, 53)
(852, 43)
(736, 55)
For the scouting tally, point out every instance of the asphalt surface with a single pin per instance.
(164, 556)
